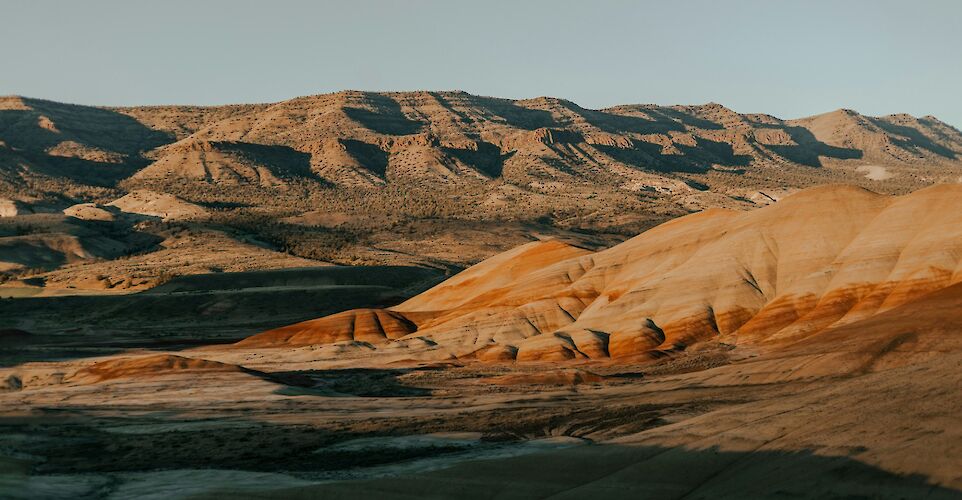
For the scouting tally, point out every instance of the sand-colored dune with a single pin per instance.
(816, 260)
(10, 208)
(486, 281)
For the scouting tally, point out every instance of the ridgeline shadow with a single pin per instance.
(915, 139)
(808, 150)
(696, 159)
(687, 119)
(282, 160)
(98, 128)
(487, 159)
(714, 152)
(510, 113)
(385, 118)
(371, 157)
(658, 120)
(443, 102)
(112, 142)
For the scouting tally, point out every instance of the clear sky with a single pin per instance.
(789, 59)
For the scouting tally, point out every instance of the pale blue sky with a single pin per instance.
(790, 59)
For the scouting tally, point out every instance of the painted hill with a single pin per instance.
(146, 367)
(810, 264)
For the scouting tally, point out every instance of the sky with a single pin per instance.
(789, 59)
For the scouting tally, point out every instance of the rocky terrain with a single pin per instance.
(93, 198)
(807, 348)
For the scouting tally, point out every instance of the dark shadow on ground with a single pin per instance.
(370, 156)
(618, 471)
(717, 152)
(913, 138)
(357, 382)
(90, 126)
(807, 150)
(694, 159)
(510, 113)
(657, 120)
(283, 161)
(688, 119)
(384, 117)
(487, 159)
(100, 132)
(74, 442)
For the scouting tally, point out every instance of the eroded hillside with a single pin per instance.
(442, 179)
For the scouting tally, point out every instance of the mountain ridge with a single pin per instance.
(451, 120)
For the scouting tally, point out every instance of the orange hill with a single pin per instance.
(816, 261)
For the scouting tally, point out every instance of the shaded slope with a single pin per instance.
(228, 163)
(84, 144)
(899, 138)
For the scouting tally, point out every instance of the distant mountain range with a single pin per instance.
(362, 139)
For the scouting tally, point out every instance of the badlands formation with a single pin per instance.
(820, 260)
(809, 348)
(428, 179)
